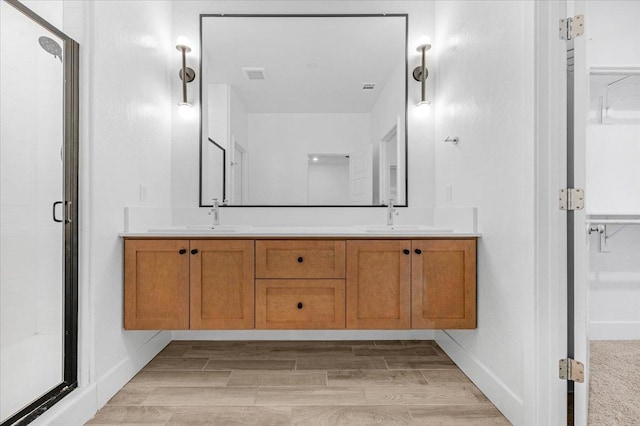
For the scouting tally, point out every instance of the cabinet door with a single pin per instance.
(222, 291)
(378, 284)
(156, 285)
(444, 284)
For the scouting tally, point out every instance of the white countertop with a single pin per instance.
(364, 231)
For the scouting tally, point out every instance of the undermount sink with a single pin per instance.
(399, 229)
(205, 229)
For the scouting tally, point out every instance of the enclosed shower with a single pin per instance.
(38, 232)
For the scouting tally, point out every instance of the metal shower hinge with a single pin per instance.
(571, 27)
(571, 199)
(572, 370)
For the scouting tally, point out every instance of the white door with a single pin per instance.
(578, 104)
(361, 177)
(237, 167)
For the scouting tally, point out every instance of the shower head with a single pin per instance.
(51, 47)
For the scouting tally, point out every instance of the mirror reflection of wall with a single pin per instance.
(278, 89)
(328, 179)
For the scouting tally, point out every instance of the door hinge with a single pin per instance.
(571, 28)
(571, 199)
(572, 370)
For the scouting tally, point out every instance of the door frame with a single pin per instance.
(552, 315)
(580, 290)
(548, 392)
(70, 230)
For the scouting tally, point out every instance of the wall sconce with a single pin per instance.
(421, 73)
(187, 75)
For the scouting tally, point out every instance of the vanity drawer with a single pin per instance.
(300, 259)
(300, 304)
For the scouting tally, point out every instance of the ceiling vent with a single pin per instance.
(254, 73)
(368, 86)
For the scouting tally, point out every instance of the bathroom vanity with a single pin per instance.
(274, 280)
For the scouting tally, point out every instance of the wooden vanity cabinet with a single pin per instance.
(300, 284)
(221, 278)
(420, 284)
(305, 304)
(188, 284)
(210, 284)
(300, 258)
(379, 284)
(443, 280)
(156, 284)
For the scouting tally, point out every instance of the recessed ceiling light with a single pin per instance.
(315, 158)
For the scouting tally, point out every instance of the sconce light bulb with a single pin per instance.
(424, 104)
(185, 109)
(183, 42)
(424, 41)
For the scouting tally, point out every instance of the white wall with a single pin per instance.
(612, 30)
(329, 184)
(485, 96)
(614, 312)
(420, 133)
(126, 108)
(613, 182)
(280, 144)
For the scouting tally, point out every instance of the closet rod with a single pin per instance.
(614, 221)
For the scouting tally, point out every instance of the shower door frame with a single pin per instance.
(70, 223)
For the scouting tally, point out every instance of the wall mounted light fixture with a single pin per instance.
(421, 73)
(187, 75)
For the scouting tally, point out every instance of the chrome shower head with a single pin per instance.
(51, 47)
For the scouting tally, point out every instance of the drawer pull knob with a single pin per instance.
(300, 305)
(300, 259)
(406, 251)
(182, 251)
(194, 251)
(418, 251)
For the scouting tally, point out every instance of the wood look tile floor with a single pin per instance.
(300, 383)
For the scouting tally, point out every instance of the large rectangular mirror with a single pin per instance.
(310, 109)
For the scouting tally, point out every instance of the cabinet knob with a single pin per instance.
(418, 251)
(182, 251)
(406, 251)
(300, 305)
(300, 259)
(194, 251)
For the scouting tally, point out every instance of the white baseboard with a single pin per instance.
(82, 404)
(113, 380)
(74, 409)
(498, 393)
(614, 330)
(304, 335)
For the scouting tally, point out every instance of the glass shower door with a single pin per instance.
(35, 213)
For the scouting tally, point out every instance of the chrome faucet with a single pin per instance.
(215, 212)
(391, 211)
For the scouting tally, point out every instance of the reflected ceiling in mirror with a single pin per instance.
(278, 91)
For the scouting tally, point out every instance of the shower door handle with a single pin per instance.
(53, 211)
(66, 211)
